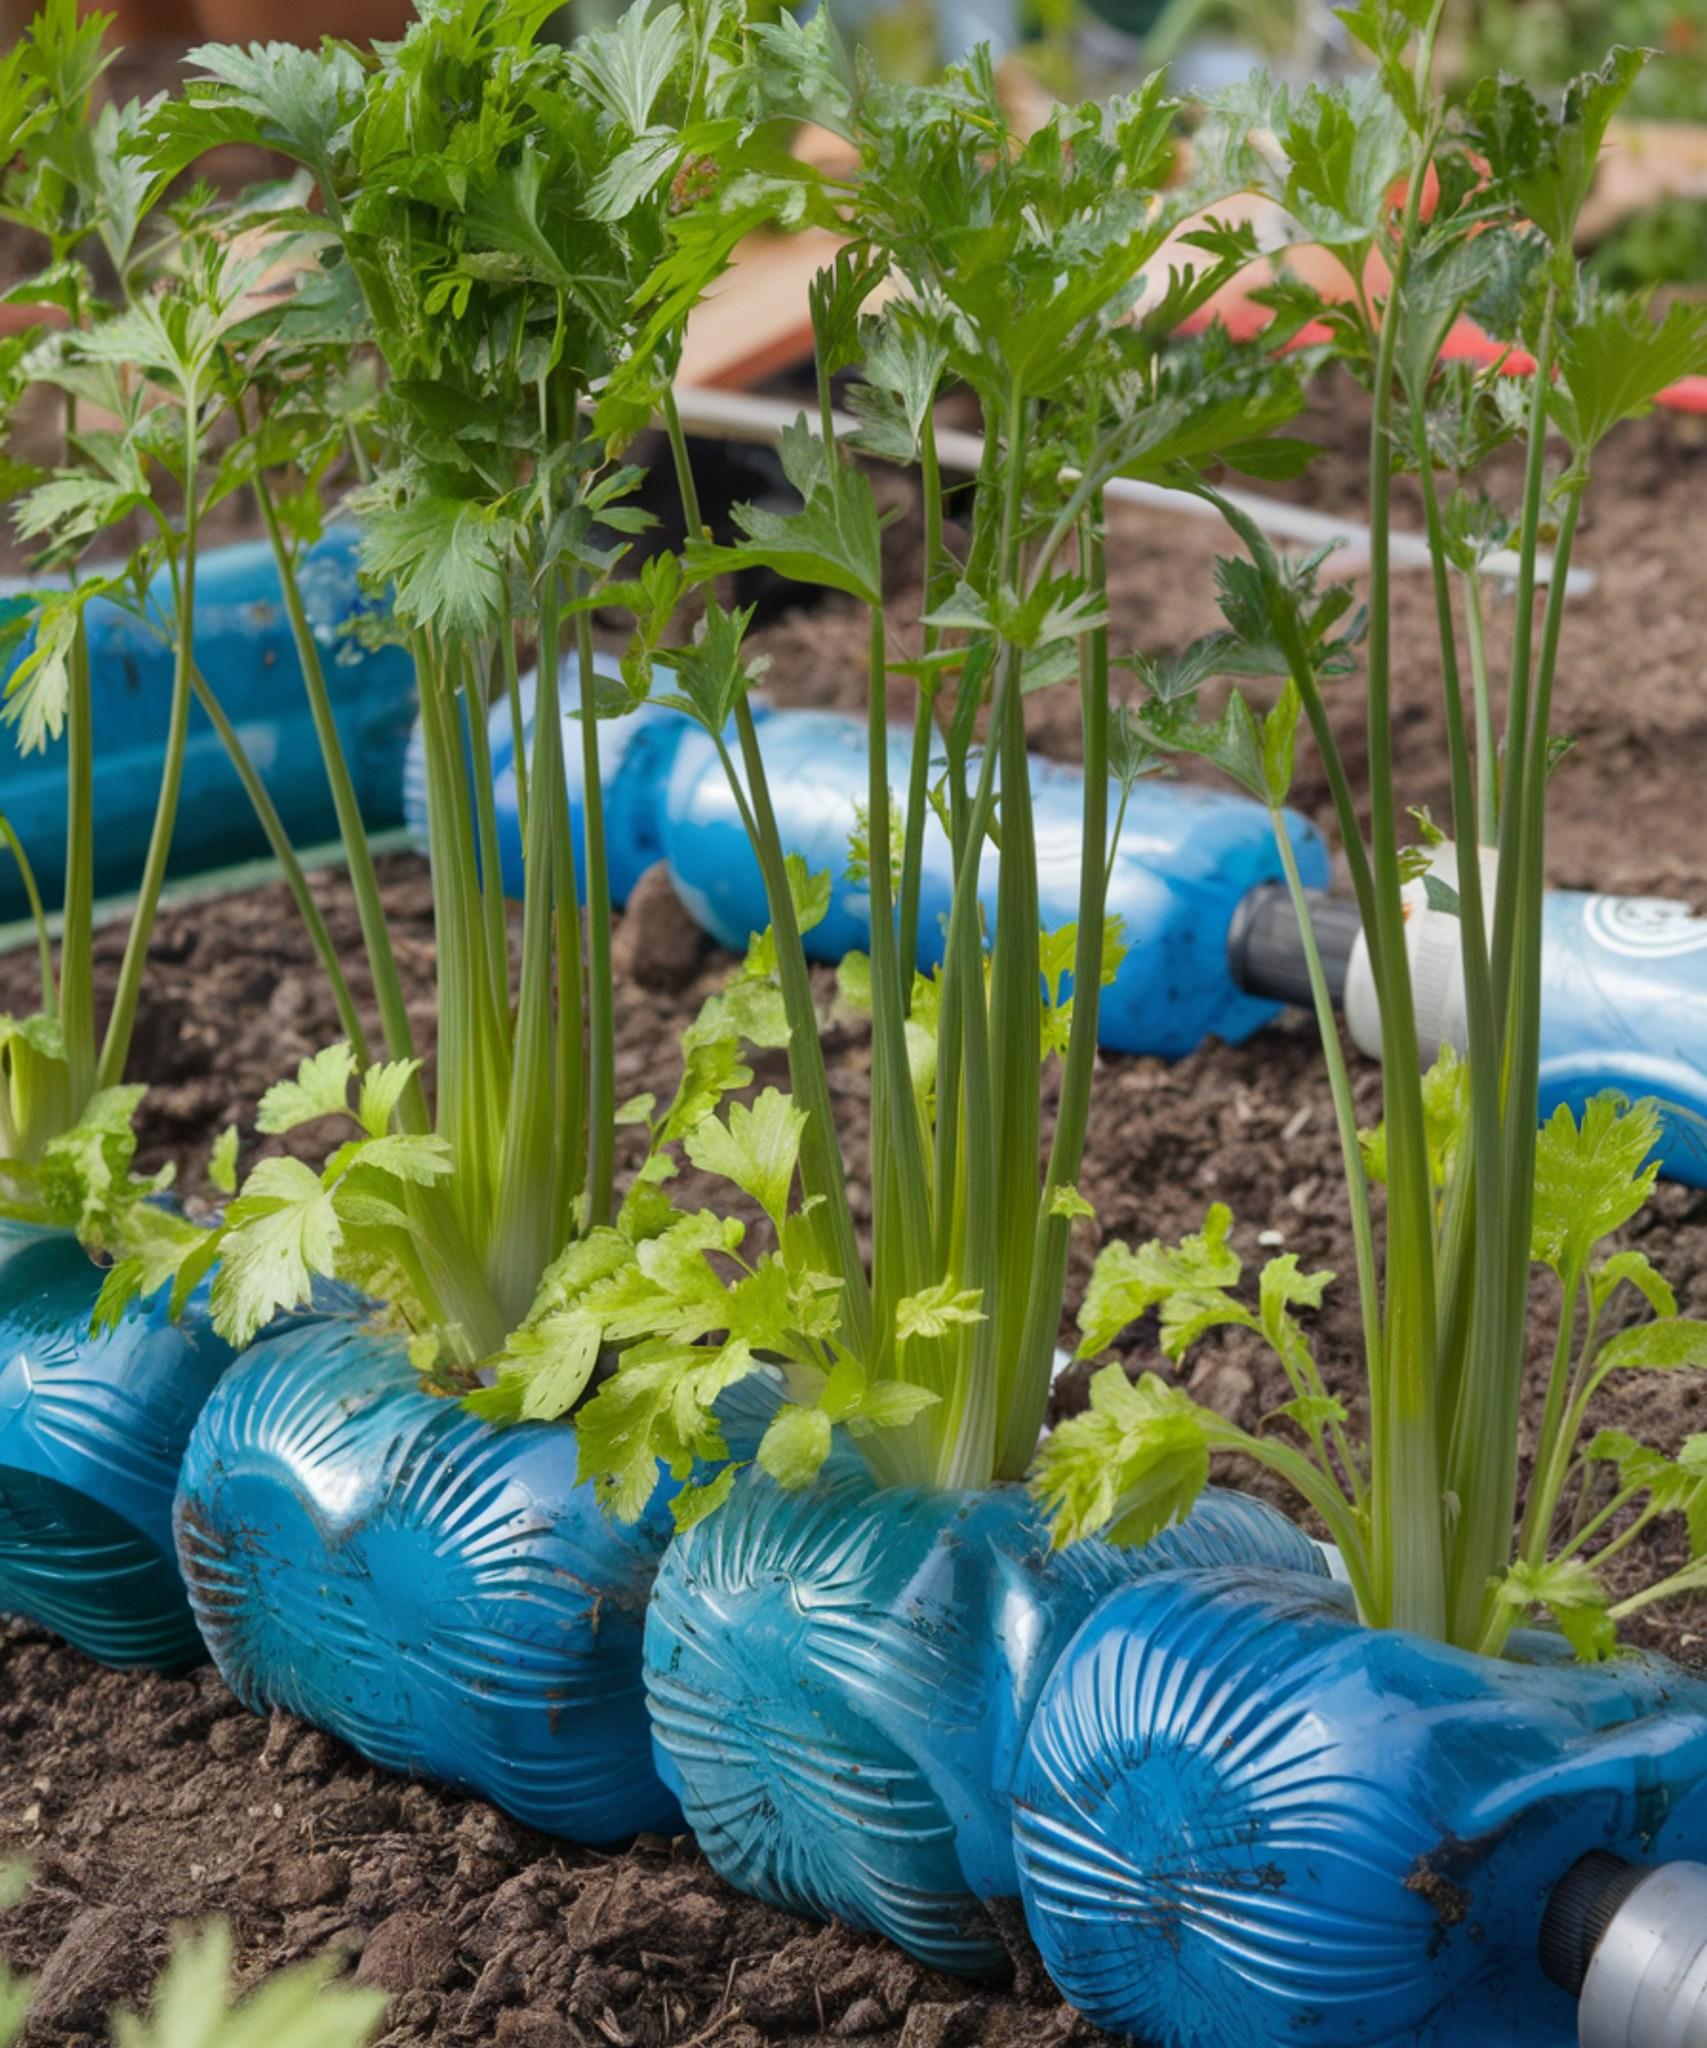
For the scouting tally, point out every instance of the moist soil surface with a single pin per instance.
(142, 1802)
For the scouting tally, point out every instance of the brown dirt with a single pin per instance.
(143, 1801)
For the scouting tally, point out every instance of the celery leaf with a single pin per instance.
(757, 1148)
(543, 1370)
(1633, 1269)
(1667, 1344)
(1131, 1465)
(1548, 161)
(1125, 1284)
(794, 1447)
(1570, 1591)
(833, 540)
(381, 1091)
(222, 1161)
(1591, 1177)
(282, 1230)
(1615, 360)
(321, 1088)
(192, 2005)
(934, 1311)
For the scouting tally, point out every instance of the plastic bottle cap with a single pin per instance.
(1583, 1906)
(1434, 942)
(1265, 943)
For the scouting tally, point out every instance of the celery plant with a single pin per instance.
(489, 202)
(1427, 1513)
(134, 376)
(1018, 266)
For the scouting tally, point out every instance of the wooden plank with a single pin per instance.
(1644, 162)
(755, 320)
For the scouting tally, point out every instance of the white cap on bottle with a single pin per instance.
(1434, 941)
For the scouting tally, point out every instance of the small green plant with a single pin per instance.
(137, 372)
(1427, 1514)
(14, 1990)
(1017, 267)
(488, 203)
(302, 2007)
(192, 2006)
(64, 1123)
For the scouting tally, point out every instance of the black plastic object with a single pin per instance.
(1583, 1906)
(92, 1429)
(1265, 947)
(438, 1593)
(840, 1682)
(1244, 1820)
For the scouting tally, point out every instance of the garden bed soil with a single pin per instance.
(141, 1801)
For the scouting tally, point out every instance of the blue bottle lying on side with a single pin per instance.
(92, 1430)
(1244, 1820)
(1623, 995)
(245, 650)
(1187, 856)
(841, 1680)
(435, 1591)
(1623, 1006)
(636, 754)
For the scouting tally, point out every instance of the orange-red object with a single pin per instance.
(1466, 343)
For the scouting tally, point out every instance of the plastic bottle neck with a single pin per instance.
(1265, 944)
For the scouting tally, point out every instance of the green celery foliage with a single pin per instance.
(1017, 268)
(489, 205)
(134, 375)
(193, 2007)
(1478, 1202)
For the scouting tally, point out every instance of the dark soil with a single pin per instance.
(142, 1801)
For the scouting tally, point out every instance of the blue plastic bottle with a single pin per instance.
(1187, 856)
(245, 650)
(1242, 1820)
(441, 1594)
(636, 754)
(1623, 1006)
(840, 1682)
(92, 1428)
(1186, 859)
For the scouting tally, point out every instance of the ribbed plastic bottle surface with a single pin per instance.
(1623, 1003)
(1243, 1820)
(840, 1682)
(1624, 1006)
(437, 1593)
(245, 650)
(92, 1430)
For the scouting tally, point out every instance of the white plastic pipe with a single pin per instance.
(1647, 1983)
(743, 416)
